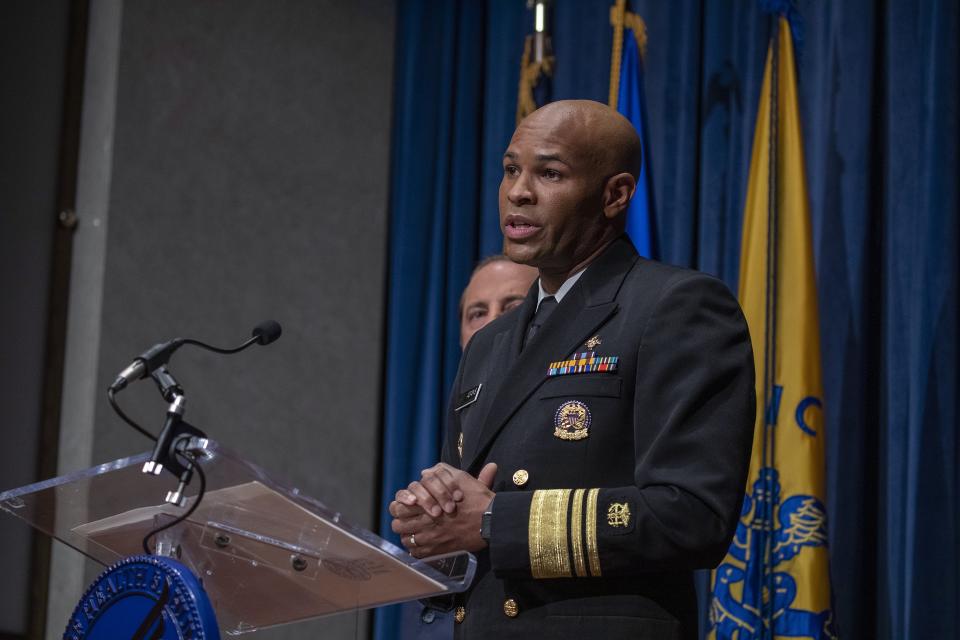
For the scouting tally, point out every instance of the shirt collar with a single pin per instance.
(562, 291)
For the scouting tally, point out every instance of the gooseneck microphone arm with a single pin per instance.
(153, 363)
(159, 354)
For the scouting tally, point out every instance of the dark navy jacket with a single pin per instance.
(613, 485)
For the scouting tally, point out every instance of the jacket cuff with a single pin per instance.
(508, 534)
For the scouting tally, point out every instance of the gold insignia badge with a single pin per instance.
(618, 514)
(592, 342)
(459, 615)
(572, 421)
(460, 444)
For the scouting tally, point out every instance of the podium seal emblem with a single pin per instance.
(144, 598)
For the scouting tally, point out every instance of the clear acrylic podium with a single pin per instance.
(266, 553)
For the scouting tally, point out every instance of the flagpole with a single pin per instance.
(539, 31)
(770, 395)
(537, 60)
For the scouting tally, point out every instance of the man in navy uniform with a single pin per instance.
(598, 436)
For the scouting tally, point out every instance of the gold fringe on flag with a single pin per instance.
(621, 19)
(530, 72)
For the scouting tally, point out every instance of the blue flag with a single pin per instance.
(631, 102)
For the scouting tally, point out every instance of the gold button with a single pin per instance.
(510, 608)
(520, 477)
(459, 614)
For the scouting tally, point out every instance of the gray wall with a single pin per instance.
(234, 168)
(33, 40)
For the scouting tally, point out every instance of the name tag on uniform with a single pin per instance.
(468, 398)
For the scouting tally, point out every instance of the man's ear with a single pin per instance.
(617, 193)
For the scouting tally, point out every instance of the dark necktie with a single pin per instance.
(547, 305)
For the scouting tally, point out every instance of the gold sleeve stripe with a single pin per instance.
(576, 534)
(547, 534)
(592, 551)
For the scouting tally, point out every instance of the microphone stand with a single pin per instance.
(175, 431)
(178, 447)
(179, 444)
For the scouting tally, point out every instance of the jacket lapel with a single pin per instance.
(506, 348)
(587, 306)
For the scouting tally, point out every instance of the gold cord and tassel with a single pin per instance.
(622, 19)
(530, 72)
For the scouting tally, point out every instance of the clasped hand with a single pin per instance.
(441, 512)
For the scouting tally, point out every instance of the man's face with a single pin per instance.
(493, 290)
(551, 211)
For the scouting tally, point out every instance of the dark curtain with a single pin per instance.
(880, 99)
(444, 103)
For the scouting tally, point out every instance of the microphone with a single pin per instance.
(143, 365)
(172, 449)
(157, 356)
(266, 332)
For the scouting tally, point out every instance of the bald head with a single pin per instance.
(606, 136)
(568, 176)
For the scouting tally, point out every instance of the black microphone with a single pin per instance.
(267, 332)
(145, 364)
(159, 355)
